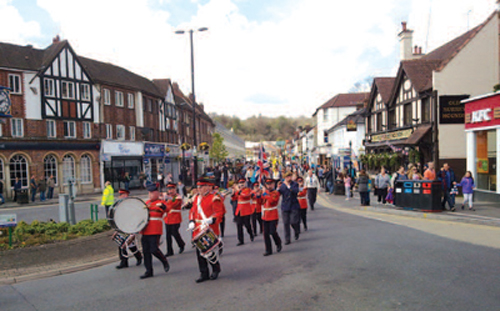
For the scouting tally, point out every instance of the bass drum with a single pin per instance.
(129, 215)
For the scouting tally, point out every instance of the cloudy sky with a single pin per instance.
(269, 57)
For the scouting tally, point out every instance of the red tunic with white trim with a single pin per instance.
(302, 197)
(256, 202)
(244, 208)
(212, 206)
(174, 215)
(270, 208)
(156, 211)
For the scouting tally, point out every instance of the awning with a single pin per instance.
(418, 134)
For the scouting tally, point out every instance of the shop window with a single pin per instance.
(50, 167)
(19, 168)
(86, 169)
(68, 168)
(486, 164)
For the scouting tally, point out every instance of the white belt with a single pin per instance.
(301, 197)
(269, 209)
(156, 218)
(243, 202)
(174, 211)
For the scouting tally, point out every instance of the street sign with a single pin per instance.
(9, 220)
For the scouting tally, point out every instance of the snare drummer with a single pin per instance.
(129, 241)
(207, 210)
(152, 232)
(173, 219)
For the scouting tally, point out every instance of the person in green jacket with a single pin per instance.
(108, 197)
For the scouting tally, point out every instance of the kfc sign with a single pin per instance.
(482, 115)
(482, 111)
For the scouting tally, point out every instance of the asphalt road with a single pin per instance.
(346, 261)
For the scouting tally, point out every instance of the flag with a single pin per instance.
(262, 168)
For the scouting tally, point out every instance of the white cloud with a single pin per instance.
(318, 49)
(13, 27)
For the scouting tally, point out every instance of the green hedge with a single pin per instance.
(38, 233)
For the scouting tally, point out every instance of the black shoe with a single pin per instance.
(122, 265)
(240, 243)
(202, 278)
(169, 255)
(463, 208)
(267, 254)
(287, 242)
(251, 239)
(146, 275)
(305, 228)
(214, 275)
(278, 248)
(139, 262)
(166, 266)
(452, 209)
(297, 236)
(181, 249)
(472, 209)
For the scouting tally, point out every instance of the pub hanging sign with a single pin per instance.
(5, 102)
(451, 110)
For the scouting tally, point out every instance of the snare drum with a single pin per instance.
(206, 241)
(129, 215)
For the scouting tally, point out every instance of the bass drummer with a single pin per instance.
(152, 232)
(207, 211)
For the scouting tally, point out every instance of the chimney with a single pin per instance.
(56, 39)
(405, 42)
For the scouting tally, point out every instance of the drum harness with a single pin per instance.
(212, 256)
(120, 239)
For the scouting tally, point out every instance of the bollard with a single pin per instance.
(96, 212)
(10, 236)
(92, 212)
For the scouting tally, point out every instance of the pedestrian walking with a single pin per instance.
(447, 178)
(51, 183)
(301, 196)
(33, 187)
(108, 197)
(42, 187)
(382, 183)
(17, 188)
(126, 181)
(312, 185)
(468, 186)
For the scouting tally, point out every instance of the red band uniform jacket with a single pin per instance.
(174, 215)
(270, 208)
(212, 206)
(302, 197)
(156, 209)
(244, 207)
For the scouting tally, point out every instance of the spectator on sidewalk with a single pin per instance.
(447, 179)
(382, 183)
(399, 175)
(321, 176)
(347, 184)
(17, 187)
(468, 186)
(42, 187)
(1, 193)
(33, 187)
(313, 186)
(51, 183)
(362, 183)
(430, 173)
(126, 181)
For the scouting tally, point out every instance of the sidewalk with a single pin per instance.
(487, 213)
(79, 198)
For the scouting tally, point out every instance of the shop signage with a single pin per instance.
(8, 220)
(397, 135)
(351, 126)
(483, 112)
(154, 150)
(122, 148)
(451, 110)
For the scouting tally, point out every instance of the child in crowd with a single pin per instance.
(467, 184)
(347, 183)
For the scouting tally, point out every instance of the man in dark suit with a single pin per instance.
(290, 206)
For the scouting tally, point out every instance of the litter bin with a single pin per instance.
(430, 197)
(415, 196)
(339, 188)
(23, 196)
(398, 193)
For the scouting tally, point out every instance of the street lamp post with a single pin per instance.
(350, 156)
(195, 143)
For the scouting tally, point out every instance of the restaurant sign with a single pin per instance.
(397, 135)
(451, 110)
(483, 112)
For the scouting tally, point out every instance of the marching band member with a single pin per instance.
(243, 211)
(222, 224)
(290, 206)
(270, 216)
(302, 197)
(207, 210)
(173, 219)
(256, 207)
(126, 241)
(152, 232)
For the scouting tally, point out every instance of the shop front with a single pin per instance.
(154, 158)
(482, 127)
(119, 159)
(172, 163)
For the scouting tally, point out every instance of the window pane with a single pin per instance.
(86, 169)
(50, 167)
(19, 168)
(68, 168)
